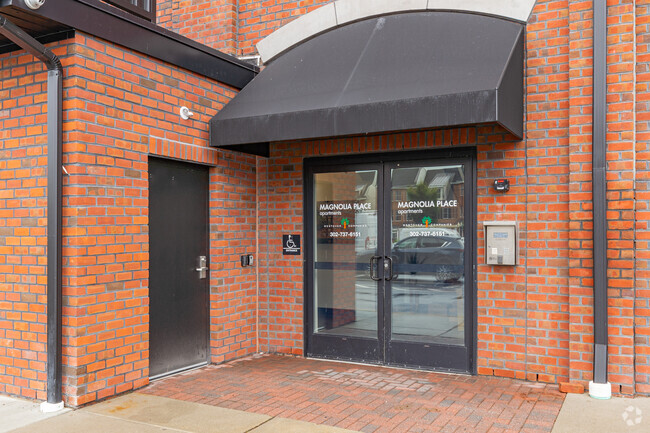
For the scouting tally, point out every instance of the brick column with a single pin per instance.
(620, 192)
(580, 197)
(642, 188)
(547, 138)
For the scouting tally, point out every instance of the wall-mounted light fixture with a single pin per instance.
(185, 113)
(34, 4)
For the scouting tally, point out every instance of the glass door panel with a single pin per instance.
(388, 265)
(345, 242)
(428, 250)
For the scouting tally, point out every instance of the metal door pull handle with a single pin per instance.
(373, 261)
(202, 269)
(388, 268)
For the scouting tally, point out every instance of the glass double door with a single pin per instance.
(389, 264)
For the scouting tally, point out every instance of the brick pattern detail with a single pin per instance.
(233, 226)
(233, 27)
(547, 166)
(23, 203)
(258, 19)
(621, 192)
(642, 200)
(369, 399)
(210, 22)
(580, 205)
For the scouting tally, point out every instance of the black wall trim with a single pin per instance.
(120, 27)
(43, 39)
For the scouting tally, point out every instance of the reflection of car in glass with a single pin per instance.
(440, 257)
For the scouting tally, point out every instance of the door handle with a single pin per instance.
(202, 269)
(374, 261)
(388, 268)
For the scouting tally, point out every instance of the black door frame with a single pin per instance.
(344, 348)
(162, 159)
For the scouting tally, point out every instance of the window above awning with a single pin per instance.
(400, 72)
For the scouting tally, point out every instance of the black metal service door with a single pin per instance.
(178, 286)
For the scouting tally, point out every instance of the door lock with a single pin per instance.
(203, 268)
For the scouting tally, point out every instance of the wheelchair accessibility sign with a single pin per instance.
(290, 245)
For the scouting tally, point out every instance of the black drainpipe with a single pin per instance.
(54, 160)
(599, 191)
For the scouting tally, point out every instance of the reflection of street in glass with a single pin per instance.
(434, 313)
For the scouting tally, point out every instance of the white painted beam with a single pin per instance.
(296, 31)
(355, 10)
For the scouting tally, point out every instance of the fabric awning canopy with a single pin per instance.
(399, 72)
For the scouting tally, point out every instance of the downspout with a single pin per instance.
(599, 387)
(54, 139)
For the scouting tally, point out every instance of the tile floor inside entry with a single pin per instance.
(367, 398)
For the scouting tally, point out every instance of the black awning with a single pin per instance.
(394, 73)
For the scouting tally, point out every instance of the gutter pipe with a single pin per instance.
(599, 387)
(54, 221)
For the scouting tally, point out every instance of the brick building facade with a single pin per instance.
(532, 321)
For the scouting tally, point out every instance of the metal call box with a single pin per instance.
(501, 243)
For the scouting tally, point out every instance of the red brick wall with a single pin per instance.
(119, 107)
(642, 213)
(620, 192)
(233, 225)
(233, 27)
(124, 106)
(210, 22)
(258, 19)
(547, 169)
(23, 189)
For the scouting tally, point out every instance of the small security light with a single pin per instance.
(185, 113)
(34, 4)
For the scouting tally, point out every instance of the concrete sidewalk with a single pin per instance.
(16, 413)
(583, 414)
(141, 413)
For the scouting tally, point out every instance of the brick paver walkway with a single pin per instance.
(367, 398)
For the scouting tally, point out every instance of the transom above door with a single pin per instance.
(389, 261)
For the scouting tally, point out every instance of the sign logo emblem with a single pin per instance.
(345, 222)
(632, 416)
(426, 221)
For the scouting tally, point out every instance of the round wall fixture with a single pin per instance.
(34, 4)
(185, 113)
